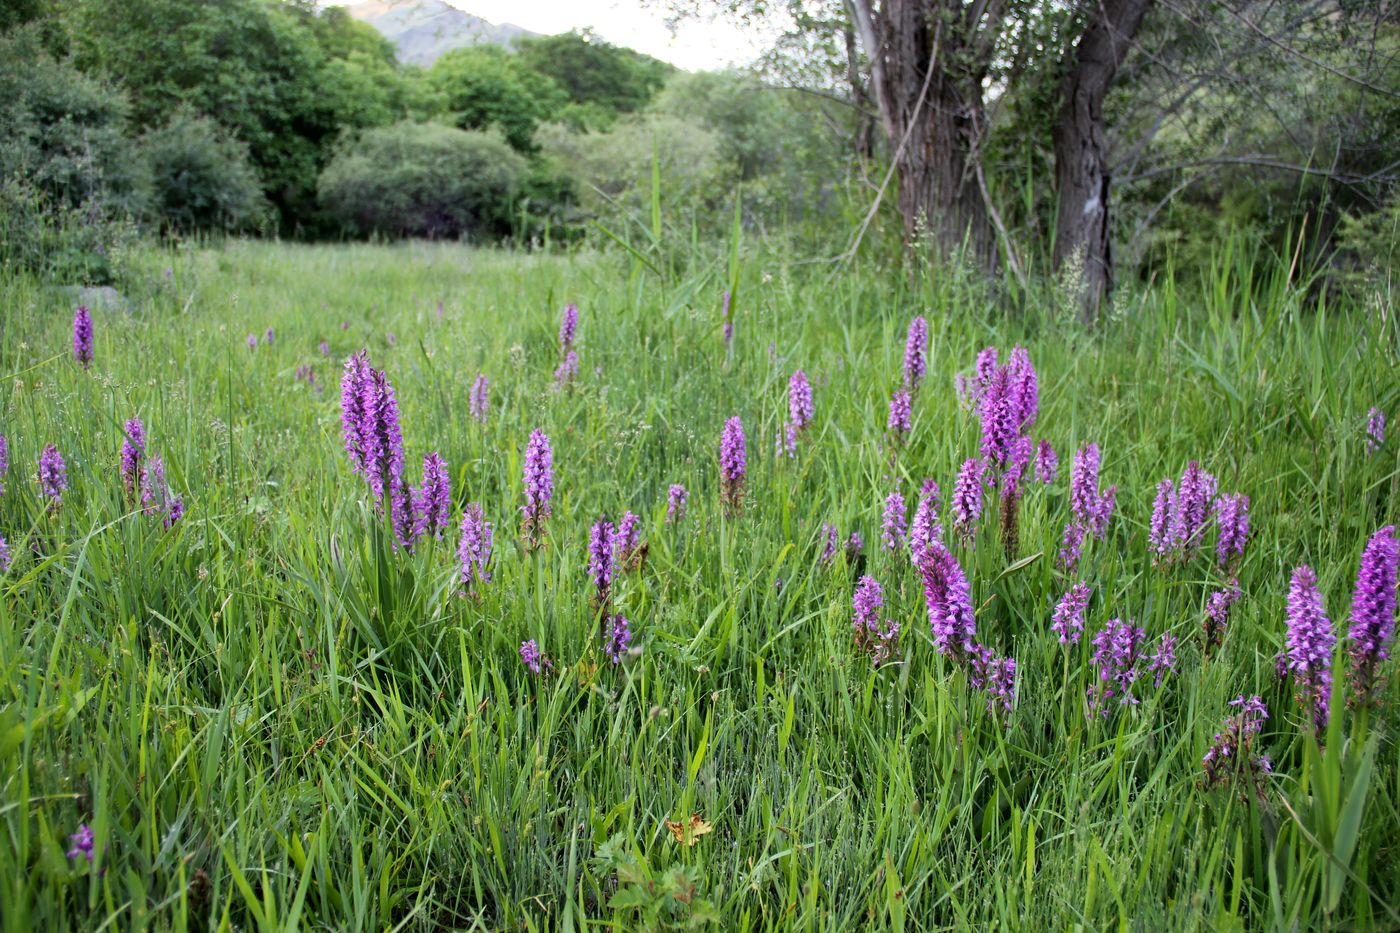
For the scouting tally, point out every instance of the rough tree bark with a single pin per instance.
(865, 121)
(1081, 149)
(928, 59)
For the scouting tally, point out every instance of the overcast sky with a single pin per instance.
(637, 25)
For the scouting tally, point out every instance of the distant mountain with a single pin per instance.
(423, 30)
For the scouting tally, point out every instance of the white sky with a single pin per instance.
(697, 45)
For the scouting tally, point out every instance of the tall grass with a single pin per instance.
(272, 719)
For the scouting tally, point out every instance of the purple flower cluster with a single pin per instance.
(926, 527)
(1047, 464)
(82, 336)
(432, 501)
(5, 556)
(474, 547)
(733, 464)
(617, 638)
(627, 542)
(479, 401)
(1117, 651)
(1375, 430)
(1067, 621)
(675, 504)
(966, 505)
(533, 659)
(1090, 509)
(1373, 610)
(1163, 660)
(876, 637)
(894, 527)
(1232, 519)
(539, 488)
(1182, 511)
(1307, 653)
(1217, 618)
(996, 675)
(567, 371)
(915, 354)
(156, 496)
(829, 537)
(83, 843)
(801, 408)
(948, 598)
(600, 558)
(901, 419)
(53, 476)
(133, 452)
(568, 328)
(369, 417)
(1232, 751)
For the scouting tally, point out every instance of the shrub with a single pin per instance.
(70, 178)
(423, 179)
(201, 179)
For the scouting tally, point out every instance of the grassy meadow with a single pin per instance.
(271, 718)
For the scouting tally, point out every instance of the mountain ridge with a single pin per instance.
(422, 31)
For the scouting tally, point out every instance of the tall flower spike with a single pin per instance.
(999, 420)
(82, 336)
(432, 502)
(567, 371)
(900, 419)
(617, 638)
(733, 464)
(568, 328)
(948, 598)
(600, 557)
(828, 536)
(354, 417)
(627, 542)
(915, 354)
(133, 451)
(894, 526)
(532, 658)
(801, 409)
(480, 400)
(967, 498)
(926, 527)
(539, 487)
(1159, 532)
(675, 504)
(1084, 484)
(383, 440)
(474, 547)
(1025, 388)
(1067, 622)
(1047, 465)
(1307, 653)
(1373, 611)
(983, 372)
(1117, 650)
(1217, 618)
(1232, 518)
(53, 476)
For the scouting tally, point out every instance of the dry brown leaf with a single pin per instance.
(688, 832)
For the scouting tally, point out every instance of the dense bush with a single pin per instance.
(423, 179)
(70, 177)
(201, 179)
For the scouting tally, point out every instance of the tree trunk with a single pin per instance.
(865, 121)
(927, 60)
(1081, 150)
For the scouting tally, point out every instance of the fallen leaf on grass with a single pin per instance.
(688, 832)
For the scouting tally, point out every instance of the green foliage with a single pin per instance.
(201, 179)
(70, 177)
(423, 179)
(591, 70)
(648, 901)
(485, 87)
